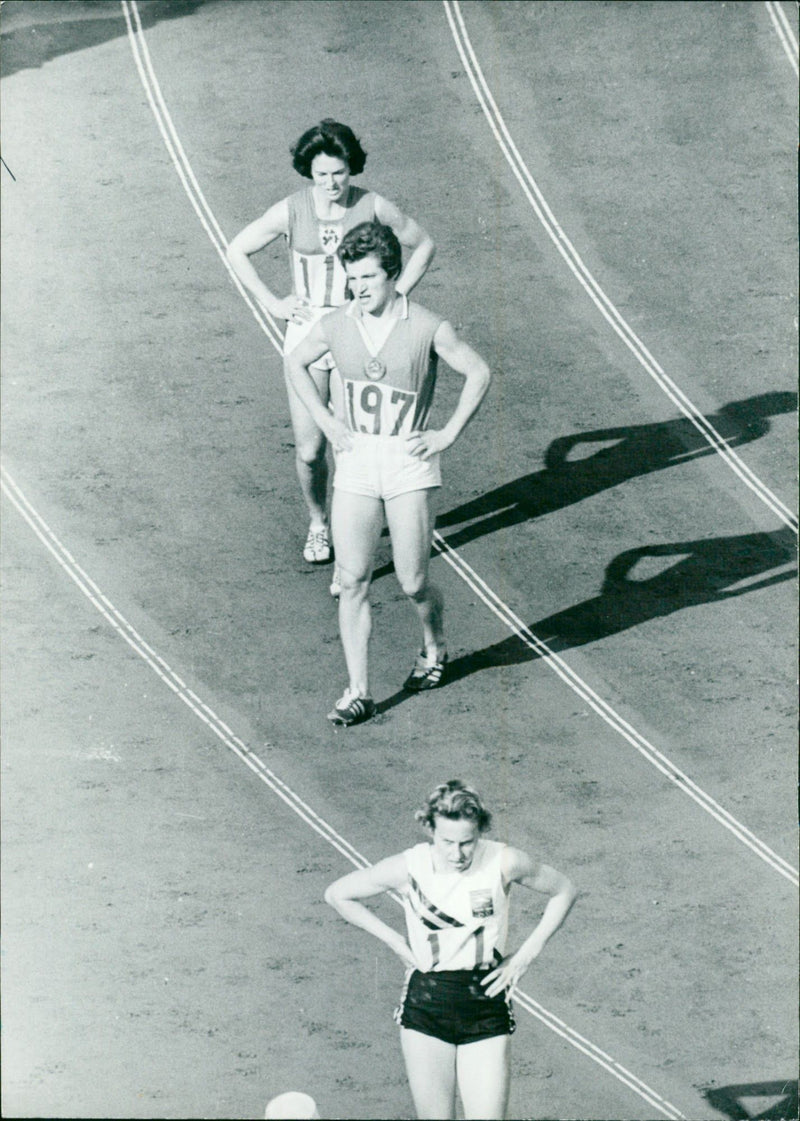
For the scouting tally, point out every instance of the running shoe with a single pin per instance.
(352, 709)
(336, 583)
(425, 674)
(317, 549)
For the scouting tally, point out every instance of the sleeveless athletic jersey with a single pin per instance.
(396, 400)
(318, 276)
(456, 920)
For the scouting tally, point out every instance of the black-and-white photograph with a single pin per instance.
(399, 559)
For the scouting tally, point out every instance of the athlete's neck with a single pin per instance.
(390, 310)
(327, 208)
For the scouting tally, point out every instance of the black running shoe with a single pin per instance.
(351, 709)
(425, 674)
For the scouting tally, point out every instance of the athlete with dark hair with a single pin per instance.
(455, 1013)
(387, 459)
(314, 220)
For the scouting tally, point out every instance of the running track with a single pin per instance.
(476, 583)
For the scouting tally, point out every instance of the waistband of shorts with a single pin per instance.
(459, 975)
(381, 435)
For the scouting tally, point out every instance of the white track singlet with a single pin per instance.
(456, 920)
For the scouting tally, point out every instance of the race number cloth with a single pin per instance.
(388, 393)
(456, 920)
(318, 276)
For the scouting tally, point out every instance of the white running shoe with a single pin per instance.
(317, 549)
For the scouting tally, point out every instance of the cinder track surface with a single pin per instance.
(167, 953)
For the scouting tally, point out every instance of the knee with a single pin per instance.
(415, 586)
(354, 585)
(311, 452)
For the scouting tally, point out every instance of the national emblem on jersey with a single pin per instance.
(482, 905)
(330, 238)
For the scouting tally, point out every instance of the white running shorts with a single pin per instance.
(380, 467)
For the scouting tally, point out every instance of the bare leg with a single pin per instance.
(483, 1070)
(357, 523)
(310, 451)
(410, 519)
(431, 1069)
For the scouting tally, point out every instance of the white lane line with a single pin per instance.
(453, 558)
(190, 185)
(611, 716)
(170, 678)
(224, 733)
(780, 21)
(593, 1052)
(587, 281)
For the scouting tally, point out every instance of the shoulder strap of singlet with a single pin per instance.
(301, 208)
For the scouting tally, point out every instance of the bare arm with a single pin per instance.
(344, 896)
(522, 870)
(467, 362)
(411, 236)
(250, 240)
(305, 354)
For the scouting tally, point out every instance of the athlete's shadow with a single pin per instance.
(728, 1100)
(703, 571)
(36, 34)
(629, 451)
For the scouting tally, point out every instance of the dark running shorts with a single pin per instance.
(451, 1005)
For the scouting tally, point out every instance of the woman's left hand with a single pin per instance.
(425, 444)
(338, 434)
(508, 973)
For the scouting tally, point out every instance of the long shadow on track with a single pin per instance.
(728, 1100)
(704, 571)
(636, 450)
(74, 25)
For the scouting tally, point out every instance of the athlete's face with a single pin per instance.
(370, 284)
(331, 176)
(454, 844)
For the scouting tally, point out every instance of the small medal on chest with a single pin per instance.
(374, 369)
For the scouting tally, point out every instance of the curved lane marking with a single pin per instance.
(206, 714)
(780, 21)
(587, 281)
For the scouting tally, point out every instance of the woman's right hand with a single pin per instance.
(403, 951)
(292, 309)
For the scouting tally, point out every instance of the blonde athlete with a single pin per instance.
(387, 460)
(314, 221)
(455, 1012)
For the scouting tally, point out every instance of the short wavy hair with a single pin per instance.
(333, 139)
(373, 239)
(457, 802)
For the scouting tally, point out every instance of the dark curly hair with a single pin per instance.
(455, 801)
(376, 239)
(333, 139)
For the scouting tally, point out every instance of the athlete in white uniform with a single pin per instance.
(314, 221)
(455, 1012)
(386, 350)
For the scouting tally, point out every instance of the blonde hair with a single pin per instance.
(454, 800)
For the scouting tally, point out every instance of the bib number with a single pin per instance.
(379, 410)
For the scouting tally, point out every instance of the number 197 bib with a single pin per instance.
(379, 410)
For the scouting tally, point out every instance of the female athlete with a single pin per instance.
(314, 221)
(386, 350)
(455, 1013)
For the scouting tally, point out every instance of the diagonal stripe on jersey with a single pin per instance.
(422, 901)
